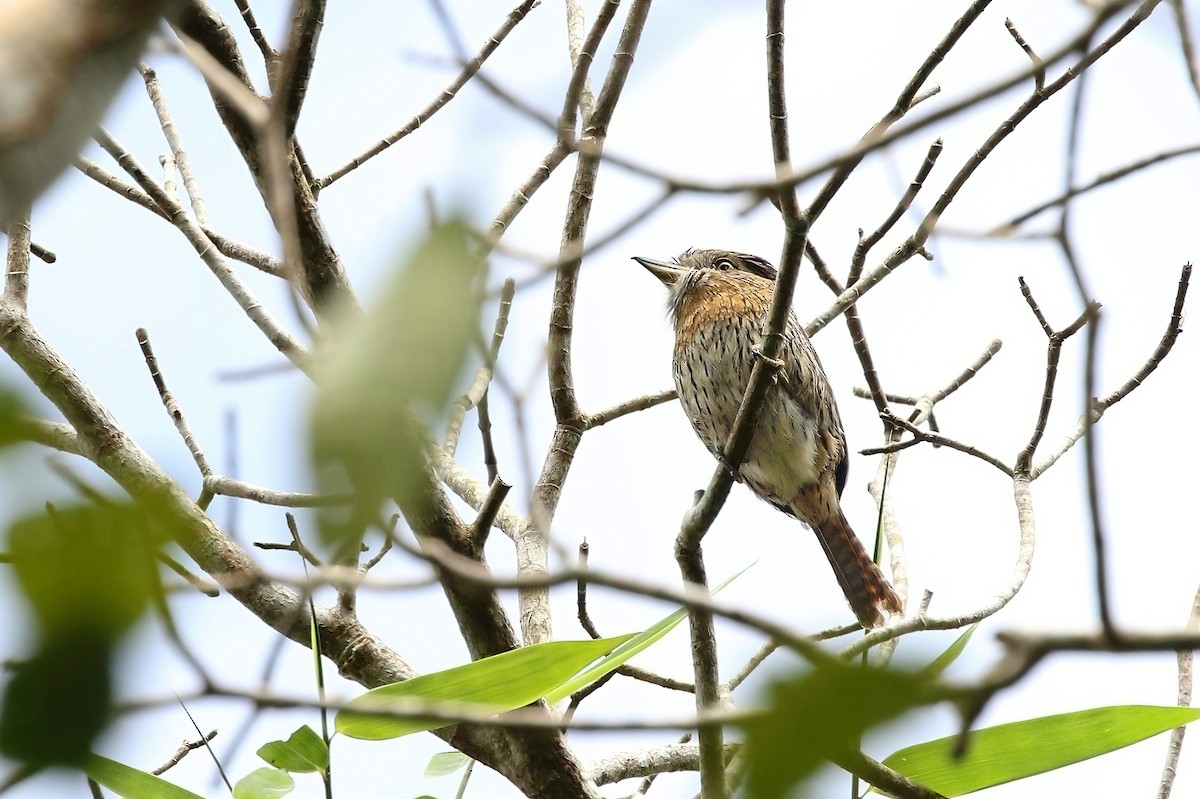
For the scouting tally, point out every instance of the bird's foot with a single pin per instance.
(777, 363)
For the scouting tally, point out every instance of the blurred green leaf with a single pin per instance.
(1007, 752)
(818, 717)
(90, 567)
(57, 701)
(623, 653)
(444, 763)
(492, 685)
(87, 572)
(264, 783)
(943, 661)
(11, 411)
(131, 783)
(404, 355)
(303, 751)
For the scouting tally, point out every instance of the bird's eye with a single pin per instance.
(724, 264)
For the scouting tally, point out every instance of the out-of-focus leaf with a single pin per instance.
(87, 572)
(87, 567)
(57, 701)
(403, 356)
(492, 685)
(303, 751)
(1007, 752)
(264, 783)
(943, 661)
(622, 654)
(11, 410)
(444, 763)
(131, 783)
(818, 717)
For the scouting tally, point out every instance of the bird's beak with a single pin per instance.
(667, 273)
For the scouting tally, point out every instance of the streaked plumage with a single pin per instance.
(718, 303)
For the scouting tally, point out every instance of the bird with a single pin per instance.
(797, 460)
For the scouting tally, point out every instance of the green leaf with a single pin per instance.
(619, 656)
(303, 751)
(87, 567)
(132, 783)
(943, 661)
(87, 572)
(11, 413)
(1007, 752)
(264, 783)
(492, 685)
(444, 763)
(57, 702)
(819, 716)
(403, 356)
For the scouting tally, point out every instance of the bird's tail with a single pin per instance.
(866, 589)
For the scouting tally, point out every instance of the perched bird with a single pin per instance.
(718, 302)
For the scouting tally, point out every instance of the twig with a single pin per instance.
(171, 133)
(594, 420)
(448, 94)
(169, 402)
(915, 244)
(492, 502)
(1039, 75)
(1187, 46)
(1027, 531)
(1099, 406)
(865, 243)
(753, 663)
(904, 102)
(579, 89)
(1101, 180)
(936, 440)
(42, 253)
(195, 581)
(221, 485)
(483, 378)
(181, 752)
(200, 242)
(264, 47)
(585, 621)
(1053, 353)
(1183, 659)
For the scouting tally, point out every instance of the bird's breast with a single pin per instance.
(713, 361)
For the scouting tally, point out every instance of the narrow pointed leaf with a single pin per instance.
(619, 656)
(132, 783)
(943, 661)
(1008, 752)
(493, 685)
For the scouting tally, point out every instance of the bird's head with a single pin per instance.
(709, 274)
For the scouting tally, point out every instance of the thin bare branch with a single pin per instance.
(593, 420)
(254, 309)
(1039, 75)
(468, 71)
(172, 406)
